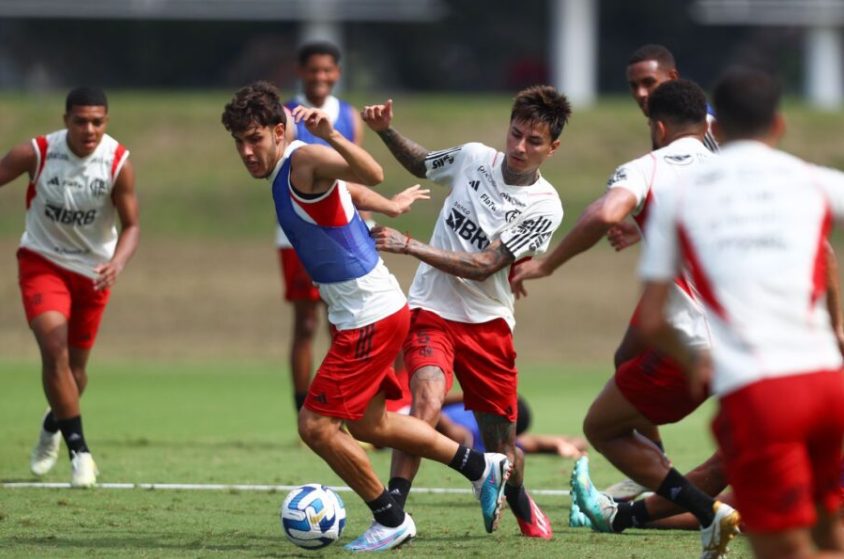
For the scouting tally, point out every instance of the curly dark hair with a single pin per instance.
(678, 102)
(658, 53)
(257, 103)
(542, 103)
(746, 101)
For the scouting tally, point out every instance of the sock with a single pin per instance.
(50, 424)
(399, 488)
(468, 462)
(677, 489)
(386, 510)
(518, 500)
(630, 515)
(72, 432)
(299, 397)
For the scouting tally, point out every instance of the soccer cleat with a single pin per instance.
(380, 538)
(576, 517)
(599, 508)
(715, 537)
(625, 490)
(83, 470)
(539, 525)
(45, 453)
(489, 489)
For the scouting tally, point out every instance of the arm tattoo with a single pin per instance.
(410, 154)
(476, 266)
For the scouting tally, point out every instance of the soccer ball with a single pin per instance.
(313, 516)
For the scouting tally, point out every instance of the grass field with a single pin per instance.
(233, 424)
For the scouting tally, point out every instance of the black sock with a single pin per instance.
(677, 489)
(386, 510)
(399, 488)
(468, 462)
(72, 432)
(631, 515)
(518, 500)
(50, 424)
(299, 397)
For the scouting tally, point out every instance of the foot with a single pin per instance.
(379, 538)
(489, 489)
(45, 453)
(576, 517)
(625, 490)
(83, 470)
(715, 537)
(599, 508)
(539, 525)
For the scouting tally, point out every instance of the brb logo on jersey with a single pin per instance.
(65, 216)
(467, 229)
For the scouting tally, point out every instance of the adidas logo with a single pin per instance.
(54, 181)
(675, 491)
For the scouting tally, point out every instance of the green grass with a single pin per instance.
(233, 423)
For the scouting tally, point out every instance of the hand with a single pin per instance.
(388, 239)
(106, 275)
(316, 121)
(404, 199)
(529, 269)
(378, 117)
(623, 235)
(700, 373)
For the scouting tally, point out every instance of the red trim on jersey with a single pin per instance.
(119, 154)
(41, 142)
(819, 269)
(327, 211)
(642, 217)
(704, 286)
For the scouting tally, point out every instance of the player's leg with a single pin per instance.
(305, 324)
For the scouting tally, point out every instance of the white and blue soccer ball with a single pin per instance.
(313, 516)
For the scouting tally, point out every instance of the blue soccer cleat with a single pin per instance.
(576, 517)
(598, 508)
(489, 489)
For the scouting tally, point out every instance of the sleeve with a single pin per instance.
(632, 178)
(442, 166)
(530, 234)
(831, 182)
(660, 260)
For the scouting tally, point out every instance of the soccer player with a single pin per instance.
(649, 389)
(318, 70)
(751, 227)
(499, 210)
(315, 201)
(81, 183)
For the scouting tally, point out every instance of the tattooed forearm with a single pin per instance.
(476, 266)
(410, 154)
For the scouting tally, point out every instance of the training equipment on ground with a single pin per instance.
(313, 516)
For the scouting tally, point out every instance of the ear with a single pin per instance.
(718, 132)
(554, 145)
(278, 132)
(778, 127)
(673, 74)
(661, 131)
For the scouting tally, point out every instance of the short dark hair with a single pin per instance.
(308, 50)
(85, 97)
(678, 102)
(524, 417)
(746, 101)
(658, 53)
(542, 103)
(258, 103)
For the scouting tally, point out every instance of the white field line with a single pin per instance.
(245, 487)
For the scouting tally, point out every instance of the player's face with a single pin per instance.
(528, 145)
(645, 76)
(318, 76)
(85, 128)
(260, 148)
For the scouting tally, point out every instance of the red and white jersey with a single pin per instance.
(751, 227)
(480, 209)
(70, 216)
(647, 178)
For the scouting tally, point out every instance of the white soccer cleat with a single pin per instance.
(45, 453)
(83, 470)
(625, 490)
(715, 537)
(381, 538)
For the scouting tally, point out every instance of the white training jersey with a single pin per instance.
(480, 209)
(647, 178)
(70, 216)
(751, 226)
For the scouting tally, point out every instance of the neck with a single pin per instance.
(515, 178)
(317, 102)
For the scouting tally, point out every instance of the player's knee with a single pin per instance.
(427, 403)
(313, 431)
(54, 353)
(593, 430)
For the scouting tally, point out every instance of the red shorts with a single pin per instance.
(298, 285)
(781, 442)
(480, 355)
(48, 287)
(656, 386)
(359, 365)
